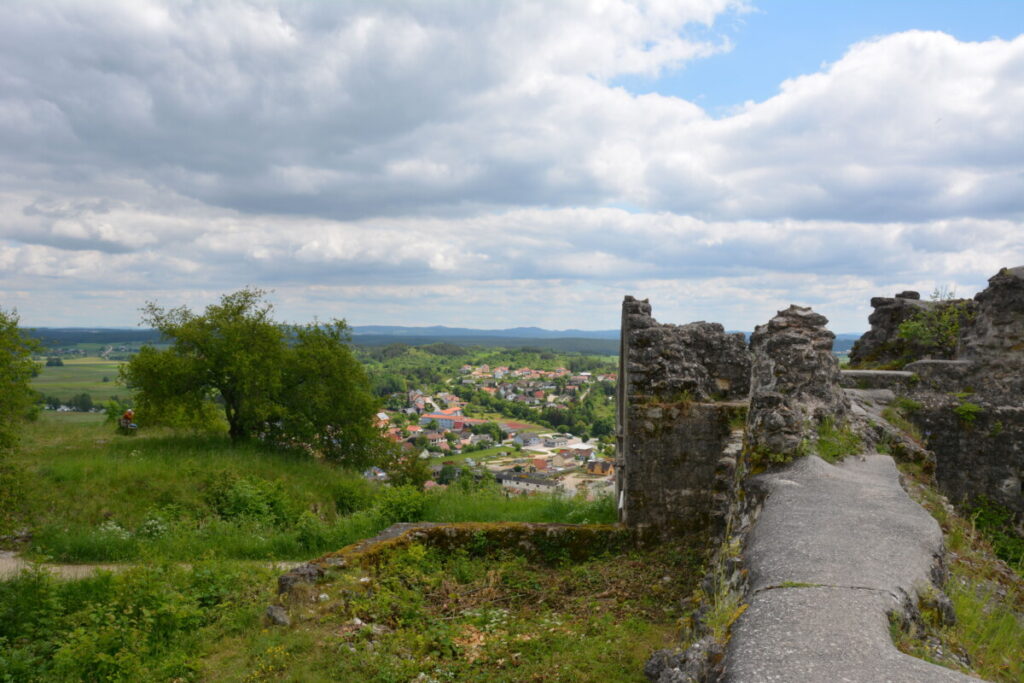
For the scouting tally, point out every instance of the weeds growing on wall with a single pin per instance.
(987, 639)
(835, 443)
(995, 522)
(935, 331)
(968, 412)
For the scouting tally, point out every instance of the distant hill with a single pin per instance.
(437, 331)
(67, 336)
(601, 347)
(602, 342)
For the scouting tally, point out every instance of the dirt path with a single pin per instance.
(11, 565)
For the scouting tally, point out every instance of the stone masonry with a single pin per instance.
(972, 408)
(795, 383)
(881, 344)
(681, 390)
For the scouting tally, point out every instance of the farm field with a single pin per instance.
(81, 376)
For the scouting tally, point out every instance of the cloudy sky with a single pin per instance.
(503, 163)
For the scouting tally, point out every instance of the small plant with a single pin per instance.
(898, 414)
(968, 412)
(835, 443)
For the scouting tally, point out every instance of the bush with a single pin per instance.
(400, 504)
(143, 624)
(353, 494)
(935, 331)
(243, 498)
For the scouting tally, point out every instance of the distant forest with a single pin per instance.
(532, 339)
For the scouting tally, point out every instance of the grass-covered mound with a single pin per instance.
(471, 615)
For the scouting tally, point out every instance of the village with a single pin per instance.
(522, 457)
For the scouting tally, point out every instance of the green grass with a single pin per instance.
(453, 616)
(159, 498)
(147, 624)
(835, 443)
(457, 616)
(95, 496)
(81, 376)
(987, 595)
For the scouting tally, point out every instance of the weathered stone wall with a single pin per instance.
(994, 341)
(977, 452)
(795, 382)
(881, 344)
(671, 432)
(698, 361)
(972, 407)
(889, 313)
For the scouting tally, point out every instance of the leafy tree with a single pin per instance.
(325, 396)
(448, 474)
(81, 402)
(17, 400)
(300, 386)
(405, 469)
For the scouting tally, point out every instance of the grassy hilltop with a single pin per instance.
(200, 521)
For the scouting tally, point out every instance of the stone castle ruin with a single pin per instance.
(712, 434)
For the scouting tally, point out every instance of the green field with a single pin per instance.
(81, 376)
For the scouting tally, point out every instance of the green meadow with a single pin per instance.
(81, 376)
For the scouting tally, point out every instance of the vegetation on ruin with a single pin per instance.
(967, 412)
(836, 442)
(473, 614)
(935, 331)
(987, 639)
(899, 413)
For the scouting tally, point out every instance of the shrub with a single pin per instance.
(241, 498)
(936, 330)
(353, 494)
(400, 504)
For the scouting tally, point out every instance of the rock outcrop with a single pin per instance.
(795, 382)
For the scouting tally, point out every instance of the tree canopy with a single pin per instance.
(17, 400)
(298, 386)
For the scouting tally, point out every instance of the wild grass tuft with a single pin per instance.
(835, 443)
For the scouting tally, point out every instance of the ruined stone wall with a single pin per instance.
(795, 382)
(971, 408)
(881, 344)
(672, 433)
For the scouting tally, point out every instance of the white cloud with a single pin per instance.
(473, 152)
